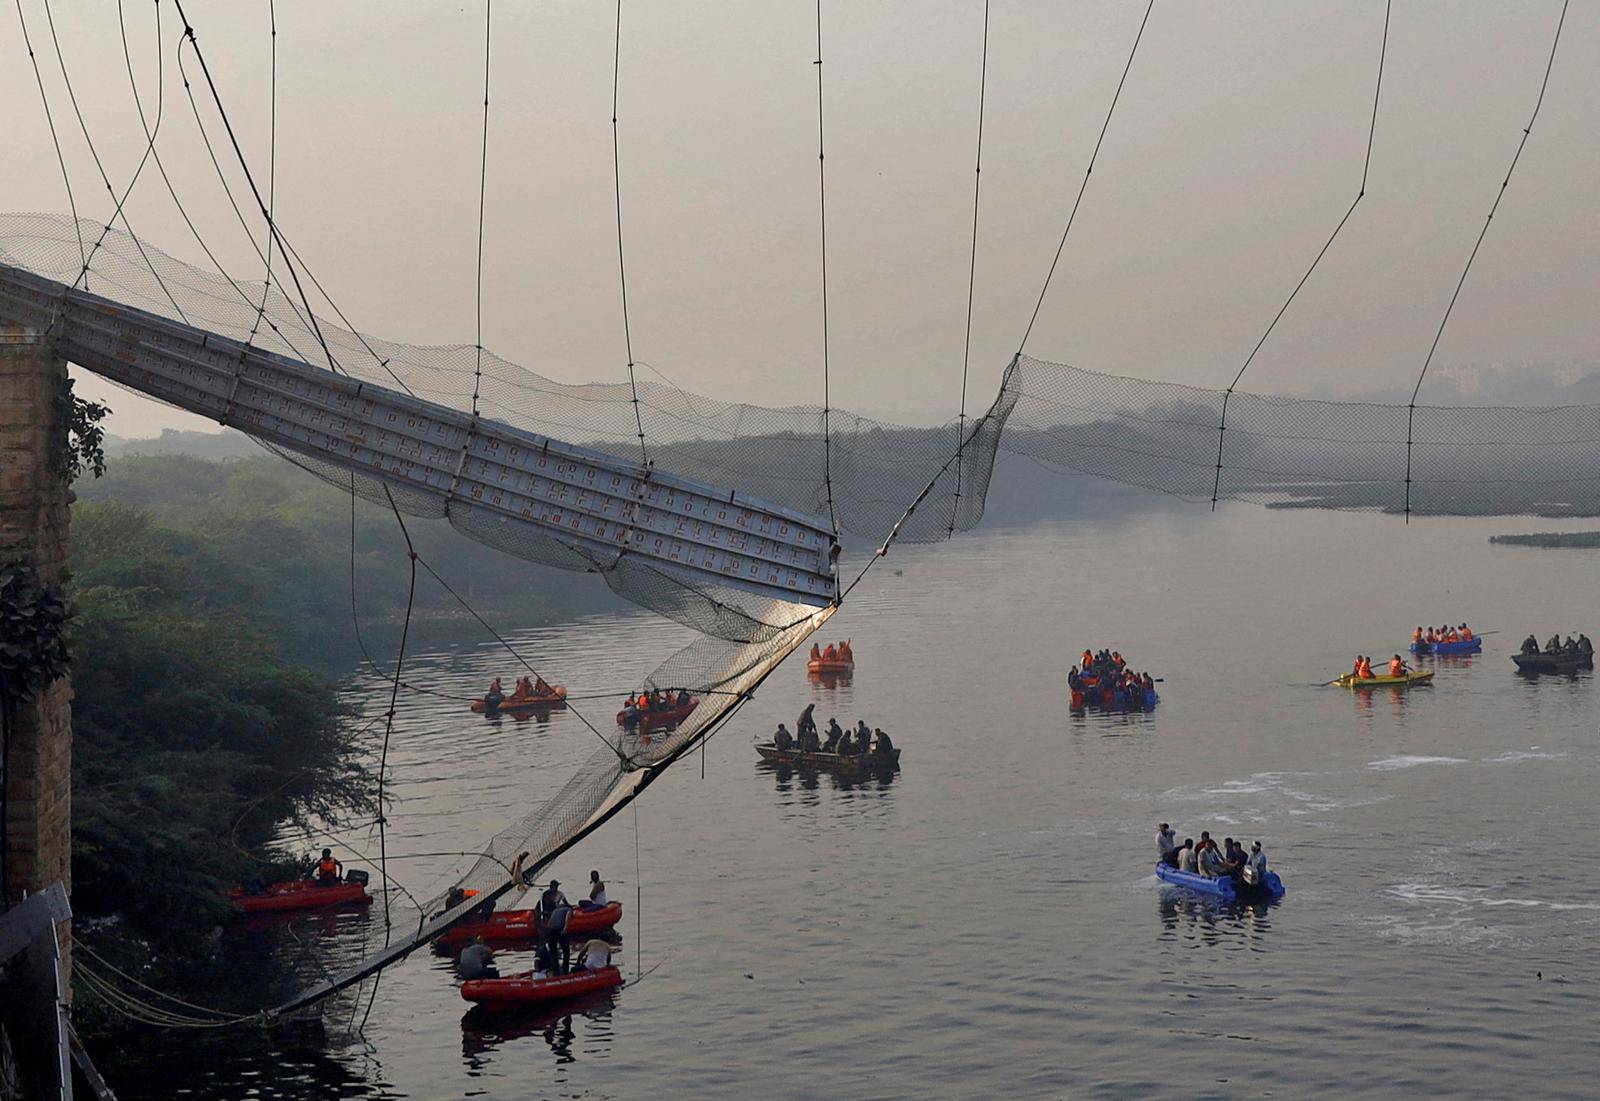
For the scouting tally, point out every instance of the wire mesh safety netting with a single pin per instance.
(1284, 451)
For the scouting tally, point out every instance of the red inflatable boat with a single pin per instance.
(520, 990)
(300, 894)
(521, 925)
(649, 720)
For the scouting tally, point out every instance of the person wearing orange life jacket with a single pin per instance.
(845, 653)
(1116, 659)
(1365, 670)
(328, 869)
(1453, 636)
(816, 652)
(1355, 670)
(1431, 637)
(541, 687)
(1466, 633)
(830, 653)
(1088, 661)
(1397, 668)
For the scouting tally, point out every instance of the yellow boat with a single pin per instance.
(1422, 676)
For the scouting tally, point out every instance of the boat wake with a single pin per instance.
(1406, 760)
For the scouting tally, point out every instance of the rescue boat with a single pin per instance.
(524, 989)
(523, 925)
(1405, 680)
(556, 697)
(303, 894)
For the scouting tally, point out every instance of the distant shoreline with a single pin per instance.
(1557, 539)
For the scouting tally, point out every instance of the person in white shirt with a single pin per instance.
(1256, 865)
(596, 954)
(1186, 856)
(1167, 845)
(597, 894)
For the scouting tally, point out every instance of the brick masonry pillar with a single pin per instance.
(33, 529)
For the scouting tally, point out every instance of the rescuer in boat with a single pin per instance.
(1584, 645)
(597, 894)
(1530, 645)
(807, 741)
(1255, 866)
(884, 746)
(1167, 845)
(805, 728)
(1188, 859)
(328, 870)
(476, 961)
(783, 741)
(1554, 645)
(1397, 667)
(552, 913)
(594, 955)
(835, 732)
(481, 912)
(816, 652)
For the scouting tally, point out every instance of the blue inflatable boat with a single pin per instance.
(1471, 646)
(1219, 888)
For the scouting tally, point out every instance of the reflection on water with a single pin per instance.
(787, 777)
(483, 1031)
(1186, 914)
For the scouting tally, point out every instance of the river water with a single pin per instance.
(986, 923)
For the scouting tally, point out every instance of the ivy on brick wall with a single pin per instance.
(33, 634)
(79, 442)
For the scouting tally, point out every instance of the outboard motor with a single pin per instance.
(356, 875)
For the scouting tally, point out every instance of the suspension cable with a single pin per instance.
(483, 184)
(272, 168)
(1411, 409)
(972, 270)
(55, 138)
(83, 125)
(1361, 191)
(822, 224)
(622, 266)
(1086, 173)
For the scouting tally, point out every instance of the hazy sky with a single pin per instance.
(1235, 149)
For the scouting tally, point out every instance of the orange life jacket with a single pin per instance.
(1396, 668)
(1466, 634)
(816, 652)
(327, 866)
(1453, 636)
(830, 654)
(1366, 670)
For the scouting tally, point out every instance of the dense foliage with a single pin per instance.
(193, 737)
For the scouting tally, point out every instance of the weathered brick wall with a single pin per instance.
(33, 529)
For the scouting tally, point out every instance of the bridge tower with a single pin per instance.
(33, 529)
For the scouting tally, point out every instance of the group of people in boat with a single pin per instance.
(808, 739)
(657, 699)
(838, 652)
(528, 688)
(1579, 645)
(1434, 635)
(1205, 858)
(553, 955)
(1362, 670)
(1107, 669)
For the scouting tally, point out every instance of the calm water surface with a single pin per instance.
(987, 923)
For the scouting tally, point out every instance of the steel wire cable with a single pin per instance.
(1361, 191)
(1527, 131)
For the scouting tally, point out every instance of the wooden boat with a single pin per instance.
(1406, 680)
(524, 989)
(650, 720)
(831, 668)
(1566, 661)
(835, 762)
(303, 894)
(557, 697)
(523, 925)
